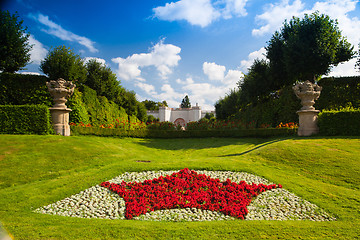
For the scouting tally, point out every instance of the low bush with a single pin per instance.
(156, 133)
(167, 126)
(344, 122)
(25, 119)
(205, 124)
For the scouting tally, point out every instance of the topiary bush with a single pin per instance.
(25, 119)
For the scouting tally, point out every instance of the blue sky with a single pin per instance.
(164, 50)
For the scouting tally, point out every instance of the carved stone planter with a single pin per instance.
(60, 90)
(307, 92)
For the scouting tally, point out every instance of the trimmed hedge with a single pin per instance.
(337, 92)
(25, 119)
(20, 89)
(345, 122)
(147, 133)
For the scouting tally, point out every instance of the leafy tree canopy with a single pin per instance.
(307, 48)
(102, 79)
(185, 102)
(62, 62)
(14, 45)
(257, 82)
(152, 105)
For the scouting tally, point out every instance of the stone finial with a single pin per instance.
(60, 90)
(307, 92)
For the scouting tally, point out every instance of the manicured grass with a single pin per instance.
(39, 170)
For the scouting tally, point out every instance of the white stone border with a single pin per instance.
(99, 202)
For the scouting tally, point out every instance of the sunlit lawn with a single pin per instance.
(39, 170)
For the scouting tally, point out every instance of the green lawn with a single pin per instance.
(39, 170)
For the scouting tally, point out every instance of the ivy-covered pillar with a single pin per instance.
(60, 90)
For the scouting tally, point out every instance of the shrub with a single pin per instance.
(25, 119)
(340, 122)
(79, 112)
(168, 126)
(100, 110)
(156, 133)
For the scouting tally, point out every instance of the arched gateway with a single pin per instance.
(180, 121)
(179, 115)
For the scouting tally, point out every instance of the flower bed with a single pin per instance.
(187, 189)
(100, 202)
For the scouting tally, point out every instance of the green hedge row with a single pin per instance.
(345, 122)
(147, 133)
(282, 106)
(25, 119)
(86, 105)
(339, 93)
(20, 89)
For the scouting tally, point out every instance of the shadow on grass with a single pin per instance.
(255, 148)
(204, 143)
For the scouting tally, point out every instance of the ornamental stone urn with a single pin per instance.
(307, 92)
(60, 90)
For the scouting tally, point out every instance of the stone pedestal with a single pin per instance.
(60, 120)
(308, 122)
(307, 92)
(60, 90)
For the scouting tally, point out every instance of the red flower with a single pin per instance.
(187, 189)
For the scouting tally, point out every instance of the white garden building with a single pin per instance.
(179, 115)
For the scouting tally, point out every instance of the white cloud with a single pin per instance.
(275, 15)
(148, 88)
(168, 94)
(201, 12)
(38, 51)
(162, 56)
(213, 71)
(100, 60)
(205, 92)
(232, 78)
(246, 64)
(196, 12)
(188, 80)
(217, 73)
(57, 31)
(345, 69)
(234, 7)
(31, 73)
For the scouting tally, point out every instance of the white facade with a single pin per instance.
(178, 115)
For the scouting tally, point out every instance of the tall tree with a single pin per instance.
(358, 60)
(102, 79)
(14, 45)
(62, 62)
(307, 48)
(185, 103)
(256, 83)
(229, 106)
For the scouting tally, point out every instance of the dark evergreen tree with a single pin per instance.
(185, 103)
(14, 45)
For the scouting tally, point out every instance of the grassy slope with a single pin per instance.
(38, 170)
